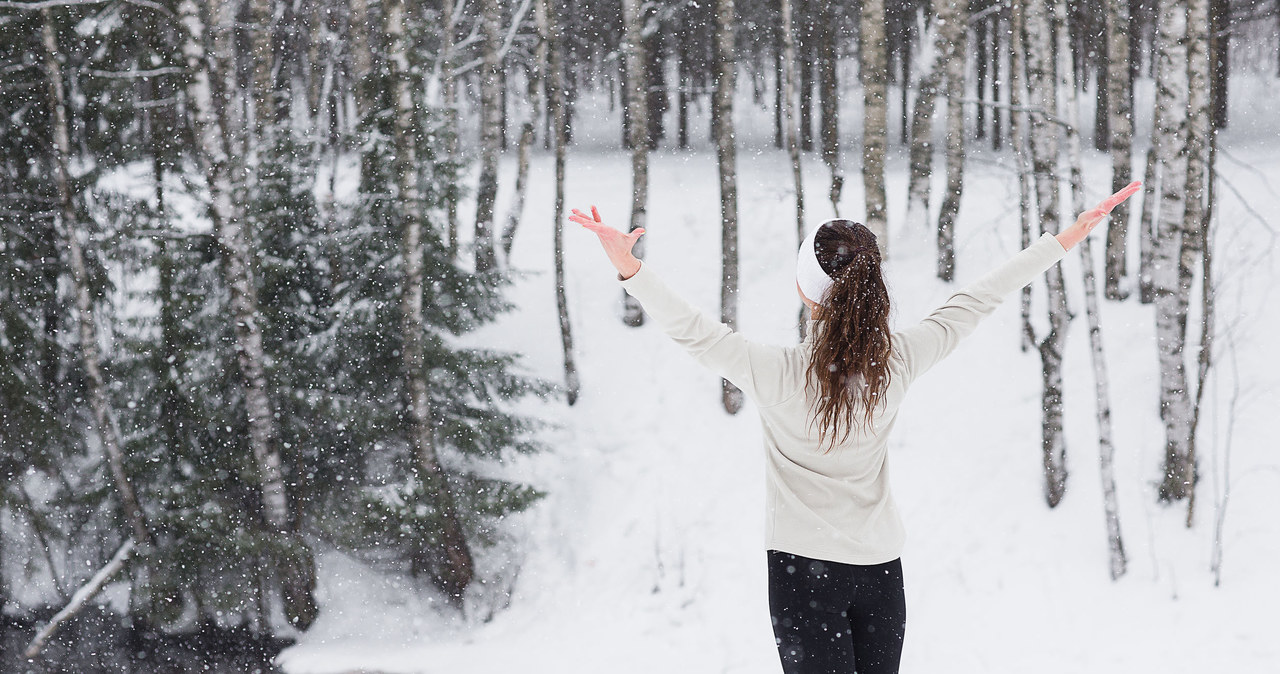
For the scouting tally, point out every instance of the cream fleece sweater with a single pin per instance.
(833, 505)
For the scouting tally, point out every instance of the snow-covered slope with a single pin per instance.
(647, 554)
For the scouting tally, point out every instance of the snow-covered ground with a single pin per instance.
(647, 555)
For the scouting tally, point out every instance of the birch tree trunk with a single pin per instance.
(956, 35)
(213, 156)
(1018, 123)
(637, 138)
(875, 78)
(548, 25)
(1176, 401)
(727, 162)
(921, 160)
(491, 114)
(1106, 447)
(1042, 95)
(449, 92)
(1147, 224)
(789, 122)
(522, 181)
(103, 419)
(1170, 296)
(829, 83)
(1120, 124)
(455, 574)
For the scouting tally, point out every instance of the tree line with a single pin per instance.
(233, 278)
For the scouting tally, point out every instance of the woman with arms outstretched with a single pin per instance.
(833, 533)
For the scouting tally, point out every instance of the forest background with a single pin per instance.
(250, 251)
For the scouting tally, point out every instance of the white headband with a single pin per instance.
(814, 282)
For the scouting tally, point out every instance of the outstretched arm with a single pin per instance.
(757, 369)
(924, 344)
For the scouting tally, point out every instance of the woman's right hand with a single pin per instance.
(616, 244)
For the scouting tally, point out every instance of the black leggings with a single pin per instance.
(834, 618)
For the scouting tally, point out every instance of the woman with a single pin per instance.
(833, 533)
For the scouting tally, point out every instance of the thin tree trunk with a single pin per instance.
(921, 160)
(1219, 67)
(805, 65)
(99, 402)
(779, 136)
(1106, 447)
(637, 139)
(1042, 94)
(1170, 300)
(1119, 95)
(458, 569)
(449, 92)
(522, 180)
(726, 161)
(904, 80)
(213, 156)
(1018, 133)
(1147, 226)
(81, 598)
(980, 63)
(997, 128)
(875, 78)
(550, 30)
(1207, 314)
(830, 90)
(789, 121)
(1183, 227)
(490, 134)
(956, 35)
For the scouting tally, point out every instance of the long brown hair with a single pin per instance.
(850, 362)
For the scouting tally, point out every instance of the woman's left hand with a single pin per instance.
(1089, 219)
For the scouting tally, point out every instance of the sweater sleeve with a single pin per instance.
(921, 346)
(759, 370)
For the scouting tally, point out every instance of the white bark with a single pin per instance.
(727, 162)
(1120, 124)
(88, 324)
(1042, 95)
(956, 35)
(789, 124)
(1170, 298)
(550, 30)
(637, 137)
(81, 598)
(1106, 446)
(1018, 139)
(491, 115)
(875, 77)
(457, 570)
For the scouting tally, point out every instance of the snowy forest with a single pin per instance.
(303, 368)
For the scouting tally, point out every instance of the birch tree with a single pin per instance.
(1120, 124)
(1102, 397)
(875, 78)
(1178, 248)
(948, 23)
(213, 156)
(637, 138)
(788, 84)
(1018, 122)
(491, 116)
(829, 84)
(1042, 97)
(1170, 140)
(458, 569)
(90, 355)
(727, 162)
(956, 33)
(548, 25)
